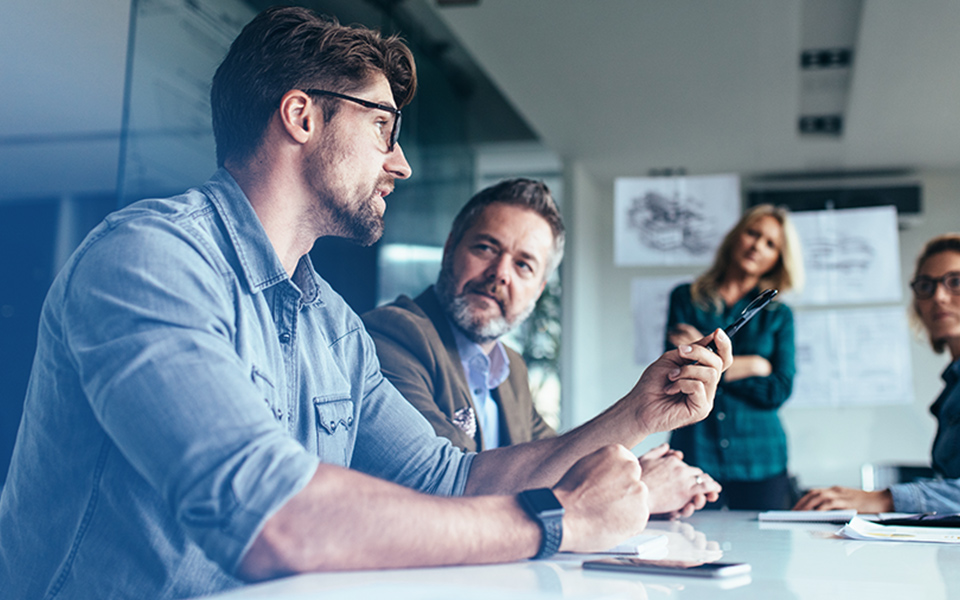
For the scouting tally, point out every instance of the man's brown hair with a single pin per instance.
(288, 47)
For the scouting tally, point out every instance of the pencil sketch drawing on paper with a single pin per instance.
(673, 223)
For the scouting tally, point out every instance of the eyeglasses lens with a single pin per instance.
(395, 132)
(924, 288)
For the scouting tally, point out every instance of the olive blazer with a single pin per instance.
(418, 354)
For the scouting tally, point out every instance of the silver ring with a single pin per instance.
(699, 479)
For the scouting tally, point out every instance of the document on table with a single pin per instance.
(808, 516)
(859, 529)
(645, 545)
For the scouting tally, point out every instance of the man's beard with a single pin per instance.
(457, 307)
(362, 222)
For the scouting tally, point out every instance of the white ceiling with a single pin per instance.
(622, 86)
(625, 86)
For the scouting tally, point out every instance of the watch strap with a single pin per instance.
(550, 526)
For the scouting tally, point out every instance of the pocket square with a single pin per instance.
(466, 421)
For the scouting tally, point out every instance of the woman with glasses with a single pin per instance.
(936, 306)
(741, 443)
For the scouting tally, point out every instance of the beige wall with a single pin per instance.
(828, 445)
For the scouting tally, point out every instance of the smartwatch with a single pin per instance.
(544, 508)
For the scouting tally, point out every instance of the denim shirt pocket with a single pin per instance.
(335, 430)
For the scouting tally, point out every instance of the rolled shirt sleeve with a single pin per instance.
(155, 343)
(927, 495)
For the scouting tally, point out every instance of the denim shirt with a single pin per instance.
(939, 495)
(184, 388)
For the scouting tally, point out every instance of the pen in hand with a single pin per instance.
(748, 313)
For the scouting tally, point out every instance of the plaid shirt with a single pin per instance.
(742, 438)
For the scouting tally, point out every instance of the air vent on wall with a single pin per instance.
(811, 191)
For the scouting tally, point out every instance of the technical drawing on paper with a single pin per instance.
(851, 256)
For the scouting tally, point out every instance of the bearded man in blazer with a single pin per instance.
(442, 349)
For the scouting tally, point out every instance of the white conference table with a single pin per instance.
(791, 561)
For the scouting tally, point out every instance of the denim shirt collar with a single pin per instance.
(259, 263)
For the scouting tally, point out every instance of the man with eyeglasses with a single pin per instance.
(205, 410)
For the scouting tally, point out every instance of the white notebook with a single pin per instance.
(808, 516)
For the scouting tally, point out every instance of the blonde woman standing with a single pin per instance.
(741, 443)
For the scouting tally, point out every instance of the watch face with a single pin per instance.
(544, 502)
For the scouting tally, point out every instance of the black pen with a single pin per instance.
(748, 313)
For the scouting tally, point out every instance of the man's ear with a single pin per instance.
(298, 115)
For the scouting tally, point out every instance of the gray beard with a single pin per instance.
(458, 309)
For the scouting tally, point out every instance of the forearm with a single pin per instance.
(541, 463)
(674, 391)
(344, 520)
(927, 495)
(747, 366)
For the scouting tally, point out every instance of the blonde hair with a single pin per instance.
(948, 242)
(787, 274)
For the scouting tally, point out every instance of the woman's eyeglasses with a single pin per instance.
(925, 287)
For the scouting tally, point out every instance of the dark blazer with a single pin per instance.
(418, 354)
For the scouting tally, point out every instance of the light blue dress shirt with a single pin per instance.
(484, 374)
(183, 389)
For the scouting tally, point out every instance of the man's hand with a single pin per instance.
(678, 389)
(676, 488)
(604, 500)
(838, 498)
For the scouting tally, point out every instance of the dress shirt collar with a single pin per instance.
(496, 365)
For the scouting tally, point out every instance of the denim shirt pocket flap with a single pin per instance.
(334, 414)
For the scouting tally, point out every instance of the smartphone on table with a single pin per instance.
(669, 567)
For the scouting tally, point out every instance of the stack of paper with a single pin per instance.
(859, 529)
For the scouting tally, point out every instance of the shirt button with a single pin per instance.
(721, 416)
(724, 443)
(477, 391)
(285, 338)
(278, 413)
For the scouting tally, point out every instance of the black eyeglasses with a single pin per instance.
(925, 287)
(394, 130)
